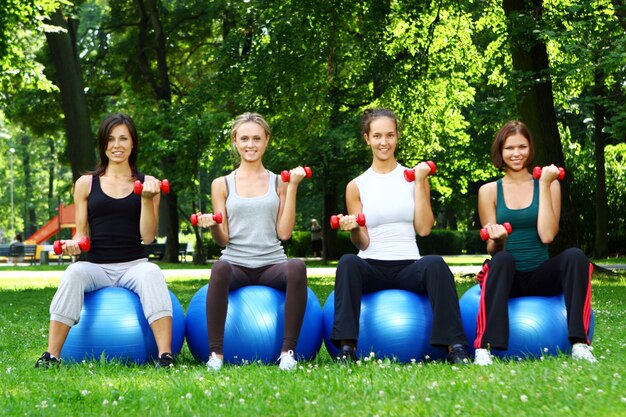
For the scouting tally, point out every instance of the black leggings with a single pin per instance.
(568, 273)
(429, 275)
(289, 276)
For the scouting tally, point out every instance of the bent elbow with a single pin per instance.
(284, 236)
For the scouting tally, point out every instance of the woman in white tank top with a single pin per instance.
(395, 210)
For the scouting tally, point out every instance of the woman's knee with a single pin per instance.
(221, 273)
(296, 271)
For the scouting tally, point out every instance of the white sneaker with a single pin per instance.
(286, 362)
(214, 363)
(482, 357)
(582, 351)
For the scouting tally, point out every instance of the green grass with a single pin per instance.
(554, 386)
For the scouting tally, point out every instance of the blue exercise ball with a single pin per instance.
(254, 326)
(537, 324)
(112, 324)
(393, 324)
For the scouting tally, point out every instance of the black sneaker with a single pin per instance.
(347, 354)
(166, 360)
(458, 355)
(46, 360)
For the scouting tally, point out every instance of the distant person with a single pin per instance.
(316, 238)
(520, 264)
(117, 221)
(16, 250)
(395, 211)
(259, 210)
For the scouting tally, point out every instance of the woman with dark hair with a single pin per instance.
(388, 256)
(117, 221)
(520, 264)
(259, 212)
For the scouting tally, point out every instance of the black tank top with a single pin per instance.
(114, 226)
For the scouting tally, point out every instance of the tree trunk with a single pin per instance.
(160, 84)
(536, 103)
(80, 140)
(601, 241)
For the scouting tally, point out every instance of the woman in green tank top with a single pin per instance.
(520, 264)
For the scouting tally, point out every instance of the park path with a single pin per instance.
(201, 273)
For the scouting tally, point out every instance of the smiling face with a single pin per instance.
(382, 138)
(119, 145)
(516, 152)
(251, 141)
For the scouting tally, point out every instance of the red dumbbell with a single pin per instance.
(537, 173)
(409, 174)
(84, 244)
(217, 217)
(165, 187)
(484, 234)
(334, 221)
(286, 175)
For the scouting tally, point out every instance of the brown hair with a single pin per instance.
(510, 128)
(370, 115)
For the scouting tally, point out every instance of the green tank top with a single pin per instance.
(524, 243)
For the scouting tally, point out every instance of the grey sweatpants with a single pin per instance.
(140, 276)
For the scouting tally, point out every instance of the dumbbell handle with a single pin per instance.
(409, 174)
(334, 220)
(484, 233)
(165, 187)
(217, 217)
(537, 173)
(286, 175)
(84, 244)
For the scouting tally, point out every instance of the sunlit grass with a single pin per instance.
(552, 386)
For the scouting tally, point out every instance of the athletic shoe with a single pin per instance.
(214, 363)
(582, 351)
(482, 357)
(458, 355)
(347, 354)
(286, 362)
(166, 360)
(46, 360)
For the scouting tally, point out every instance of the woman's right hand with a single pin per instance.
(348, 222)
(496, 231)
(206, 220)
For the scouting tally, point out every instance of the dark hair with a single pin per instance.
(104, 131)
(510, 128)
(370, 115)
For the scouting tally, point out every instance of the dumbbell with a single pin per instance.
(484, 233)
(217, 217)
(84, 244)
(286, 175)
(409, 174)
(537, 173)
(334, 221)
(165, 187)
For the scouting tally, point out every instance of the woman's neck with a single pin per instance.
(384, 167)
(118, 171)
(516, 177)
(251, 168)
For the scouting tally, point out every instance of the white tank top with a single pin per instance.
(388, 204)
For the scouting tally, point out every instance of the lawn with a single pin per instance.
(550, 386)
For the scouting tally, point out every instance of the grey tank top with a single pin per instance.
(252, 242)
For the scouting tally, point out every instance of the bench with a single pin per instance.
(23, 252)
(156, 251)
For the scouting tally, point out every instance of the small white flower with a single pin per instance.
(105, 403)
(523, 398)
(188, 395)
(84, 393)
(412, 398)
(242, 401)
(114, 403)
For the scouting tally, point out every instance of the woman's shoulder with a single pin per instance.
(489, 188)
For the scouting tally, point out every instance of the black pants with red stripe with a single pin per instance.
(429, 275)
(568, 273)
